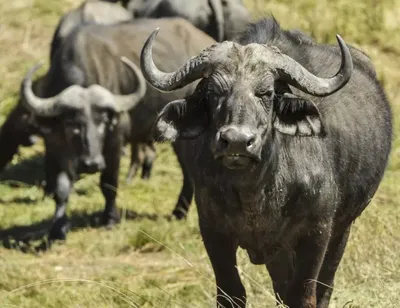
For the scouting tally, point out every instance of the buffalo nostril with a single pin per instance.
(251, 141)
(224, 141)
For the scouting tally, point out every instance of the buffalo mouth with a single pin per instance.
(237, 161)
(83, 169)
(88, 170)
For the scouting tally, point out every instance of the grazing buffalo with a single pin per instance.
(89, 12)
(100, 12)
(82, 122)
(80, 126)
(221, 19)
(283, 156)
(18, 128)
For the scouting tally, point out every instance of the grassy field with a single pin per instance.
(148, 261)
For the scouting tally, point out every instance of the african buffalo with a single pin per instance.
(82, 135)
(221, 19)
(105, 13)
(282, 161)
(89, 12)
(18, 128)
(79, 118)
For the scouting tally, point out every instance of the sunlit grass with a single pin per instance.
(150, 261)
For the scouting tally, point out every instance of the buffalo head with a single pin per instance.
(242, 99)
(78, 120)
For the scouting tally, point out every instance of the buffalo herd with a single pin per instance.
(282, 141)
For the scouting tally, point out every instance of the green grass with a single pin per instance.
(148, 261)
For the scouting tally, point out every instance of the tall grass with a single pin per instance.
(148, 261)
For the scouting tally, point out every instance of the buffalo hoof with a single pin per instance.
(145, 176)
(59, 230)
(179, 213)
(30, 141)
(109, 220)
(146, 171)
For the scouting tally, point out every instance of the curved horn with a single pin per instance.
(193, 69)
(216, 7)
(127, 102)
(44, 107)
(293, 73)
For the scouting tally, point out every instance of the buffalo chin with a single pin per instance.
(89, 170)
(236, 162)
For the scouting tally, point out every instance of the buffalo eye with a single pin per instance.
(105, 118)
(72, 127)
(267, 93)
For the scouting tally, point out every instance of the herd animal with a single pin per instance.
(282, 141)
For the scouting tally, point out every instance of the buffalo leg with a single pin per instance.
(109, 181)
(186, 195)
(149, 157)
(310, 253)
(136, 161)
(280, 268)
(332, 259)
(17, 130)
(62, 190)
(221, 250)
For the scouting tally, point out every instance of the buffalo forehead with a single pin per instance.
(251, 60)
(73, 97)
(249, 74)
(78, 98)
(99, 95)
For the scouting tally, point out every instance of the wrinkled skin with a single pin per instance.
(278, 172)
(230, 15)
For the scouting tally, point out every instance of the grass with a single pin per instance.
(148, 261)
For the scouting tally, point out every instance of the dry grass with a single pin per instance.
(159, 263)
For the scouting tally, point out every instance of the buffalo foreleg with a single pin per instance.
(144, 155)
(221, 250)
(136, 160)
(280, 268)
(309, 253)
(109, 182)
(186, 195)
(334, 254)
(62, 190)
(149, 157)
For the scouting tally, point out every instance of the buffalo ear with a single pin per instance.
(181, 119)
(297, 116)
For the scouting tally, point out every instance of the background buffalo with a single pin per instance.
(99, 268)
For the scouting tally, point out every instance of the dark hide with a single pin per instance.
(91, 55)
(89, 12)
(313, 164)
(200, 13)
(17, 124)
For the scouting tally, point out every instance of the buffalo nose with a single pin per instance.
(236, 139)
(93, 164)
